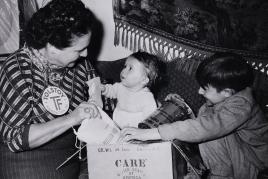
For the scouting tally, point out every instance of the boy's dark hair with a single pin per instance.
(151, 63)
(225, 70)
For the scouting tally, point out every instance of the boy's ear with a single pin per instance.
(227, 92)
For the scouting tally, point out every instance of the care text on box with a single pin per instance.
(130, 161)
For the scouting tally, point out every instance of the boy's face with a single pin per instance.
(212, 95)
(133, 74)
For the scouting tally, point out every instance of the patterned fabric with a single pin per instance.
(184, 30)
(21, 87)
(170, 111)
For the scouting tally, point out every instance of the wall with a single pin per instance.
(103, 9)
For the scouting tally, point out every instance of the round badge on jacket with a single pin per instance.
(55, 100)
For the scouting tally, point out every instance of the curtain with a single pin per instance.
(190, 30)
(9, 26)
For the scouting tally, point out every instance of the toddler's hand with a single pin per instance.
(102, 87)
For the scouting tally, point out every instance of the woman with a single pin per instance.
(43, 93)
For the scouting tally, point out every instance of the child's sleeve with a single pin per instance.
(209, 125)
(110, 90)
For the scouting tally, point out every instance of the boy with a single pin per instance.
(230, 128)
(135, 101)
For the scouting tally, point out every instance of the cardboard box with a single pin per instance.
(130, 161)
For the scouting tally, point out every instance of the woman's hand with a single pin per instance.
(85, 110)
(43, 132)
(131, 133)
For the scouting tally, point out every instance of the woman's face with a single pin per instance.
(67, 57)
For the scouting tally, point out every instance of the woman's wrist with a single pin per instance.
(68, 121)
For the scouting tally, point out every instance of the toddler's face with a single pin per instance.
(133, 74)
(212, 95)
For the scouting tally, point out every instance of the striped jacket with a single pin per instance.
(22, 83)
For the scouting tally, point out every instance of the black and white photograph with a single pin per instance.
(133, 89)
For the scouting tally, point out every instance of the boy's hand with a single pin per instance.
(132, 133)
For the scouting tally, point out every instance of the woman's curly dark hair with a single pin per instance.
(58, 23)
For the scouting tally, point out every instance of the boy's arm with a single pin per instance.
(209, 126)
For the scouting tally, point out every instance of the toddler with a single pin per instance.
(135, 101)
